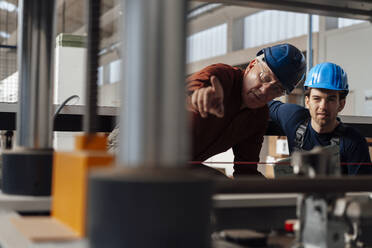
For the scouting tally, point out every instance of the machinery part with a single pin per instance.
(27, 172)
(320, 227)
(63, 104)
(261, 212)
(244, 237)
(327, 184)
(154, 120)
(70, 173)
(283, 168)
(159, 208)
(9, 139)
(320, 161)
(6, 139)
(360, 214)
(35, 66)
(94, 13)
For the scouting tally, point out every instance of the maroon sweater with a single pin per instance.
(239, 129)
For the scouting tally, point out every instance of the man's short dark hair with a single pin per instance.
(342, 93)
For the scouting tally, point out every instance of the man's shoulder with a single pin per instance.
(350, 133)
(291, 110)
(222, 66)
(285, 105)
(220, 70)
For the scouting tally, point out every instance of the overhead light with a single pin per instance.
(4, 5)
(4, 34)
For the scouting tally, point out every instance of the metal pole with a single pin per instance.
(28, 169)
(35, 65)
(153, 138)
(93, 16)
(309, 51)
(309, 56)
(153, 120)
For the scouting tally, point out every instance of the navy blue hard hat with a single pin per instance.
(327, 76)
(287, 63)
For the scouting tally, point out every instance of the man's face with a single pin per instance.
(260, 85)
(324, 105)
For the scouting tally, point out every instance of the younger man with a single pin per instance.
(326, 88)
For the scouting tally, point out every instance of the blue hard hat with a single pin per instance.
(287, 63)
(327, 76)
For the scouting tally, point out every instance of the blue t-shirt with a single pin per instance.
(353, 146)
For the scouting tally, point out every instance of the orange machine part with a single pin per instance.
(70, 178)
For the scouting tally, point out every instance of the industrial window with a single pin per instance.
(100, 75)
(207, 43)
(272, 25)
(345, 22)
(115, 69)
(8, 75)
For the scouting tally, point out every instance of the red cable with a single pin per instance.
(255, 163)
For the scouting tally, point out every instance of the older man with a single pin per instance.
(229, 105)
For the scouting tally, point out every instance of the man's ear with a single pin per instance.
(342, 105)
(307, 101)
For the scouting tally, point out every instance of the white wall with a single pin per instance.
(351, 48)
(109, 95)
(69, 80)
(69, 73)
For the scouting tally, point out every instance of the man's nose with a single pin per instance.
(264, 88)
(323, 104)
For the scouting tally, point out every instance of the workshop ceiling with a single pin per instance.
(71, 16)
(356, 9)
(71, 19)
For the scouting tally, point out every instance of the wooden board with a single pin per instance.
(43, 229)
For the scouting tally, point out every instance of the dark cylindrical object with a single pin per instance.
(149, 208)
(27, 172)
(93, 17)
(296, 185)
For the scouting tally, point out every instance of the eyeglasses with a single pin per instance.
(267, 77)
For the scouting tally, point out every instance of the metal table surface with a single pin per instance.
(10, 237)
(24, 204)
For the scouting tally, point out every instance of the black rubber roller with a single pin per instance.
(27, 172)
(157, 208)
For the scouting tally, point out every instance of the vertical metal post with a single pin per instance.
(28, 169)
(153, 120)
(309, 52)
(35, 65)
(153, 138)
(93, 15)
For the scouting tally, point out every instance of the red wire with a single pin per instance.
(255, 163)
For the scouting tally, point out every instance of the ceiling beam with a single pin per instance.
(12, 40)
(356, 9)
(106, 19)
